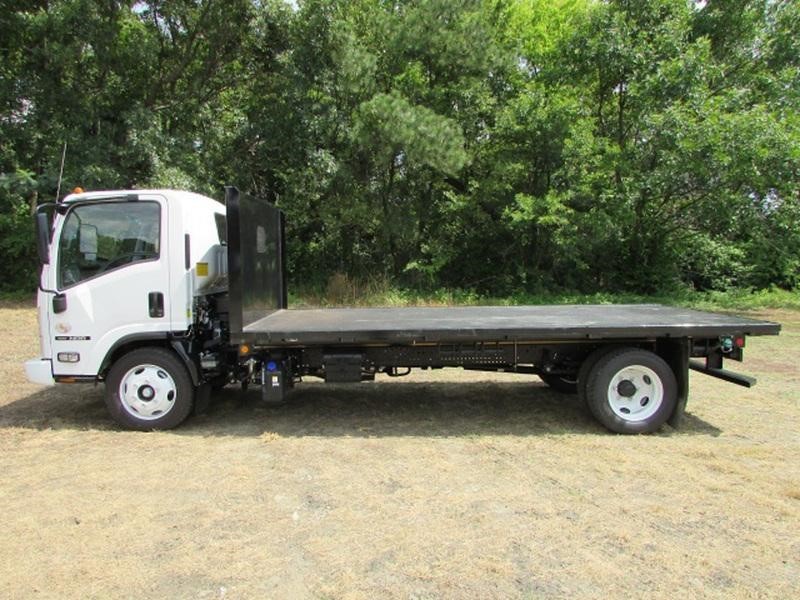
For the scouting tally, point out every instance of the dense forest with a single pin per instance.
(486, 145)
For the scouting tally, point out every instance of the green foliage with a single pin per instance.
(505, 147)
(16, 231)
(390, 128)
(344, 291)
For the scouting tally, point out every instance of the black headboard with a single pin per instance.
(256, 259)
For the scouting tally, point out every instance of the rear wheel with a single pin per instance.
(630, 390)
(566, 384)
(149, 388)
(586, 367)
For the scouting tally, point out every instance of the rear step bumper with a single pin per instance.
(723, 374)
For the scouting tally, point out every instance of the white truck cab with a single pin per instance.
(121, 271)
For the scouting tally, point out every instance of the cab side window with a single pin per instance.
(222, 228)
(97, 238)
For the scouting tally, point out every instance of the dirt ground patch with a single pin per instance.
(440, 485)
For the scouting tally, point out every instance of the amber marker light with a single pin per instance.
(244, 349)
(78, 190)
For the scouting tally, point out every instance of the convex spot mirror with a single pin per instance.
(88, 241)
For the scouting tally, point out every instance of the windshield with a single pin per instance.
(97, 238)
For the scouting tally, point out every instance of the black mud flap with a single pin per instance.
(676, 353)
(202, 398)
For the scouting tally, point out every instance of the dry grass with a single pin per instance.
(447, 484)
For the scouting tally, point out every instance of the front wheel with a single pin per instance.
(631, 391)
(149, 388)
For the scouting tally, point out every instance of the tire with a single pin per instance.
(586, 367)
(631, 391)
(149, 389)
(565, 384)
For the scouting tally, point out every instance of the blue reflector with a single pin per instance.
(271, 366)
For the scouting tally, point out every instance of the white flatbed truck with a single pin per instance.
(166, 295)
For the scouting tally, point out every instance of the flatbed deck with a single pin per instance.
(421, 325)
(631, 362)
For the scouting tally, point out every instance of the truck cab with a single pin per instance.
(120, 271)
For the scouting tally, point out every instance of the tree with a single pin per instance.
(494, 145)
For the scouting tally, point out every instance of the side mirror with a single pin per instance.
(59, 303)
(43, 237)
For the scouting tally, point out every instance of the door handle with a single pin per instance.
(155, 301)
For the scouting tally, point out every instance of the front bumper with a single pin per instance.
(40, 370)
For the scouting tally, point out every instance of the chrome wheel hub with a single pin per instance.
(635, 393)
(147, 392)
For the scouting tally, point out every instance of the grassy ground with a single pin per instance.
(343, 291)
(441, 485)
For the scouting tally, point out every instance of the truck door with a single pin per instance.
(111, 273)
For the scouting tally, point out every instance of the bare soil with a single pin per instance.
(444, 484)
